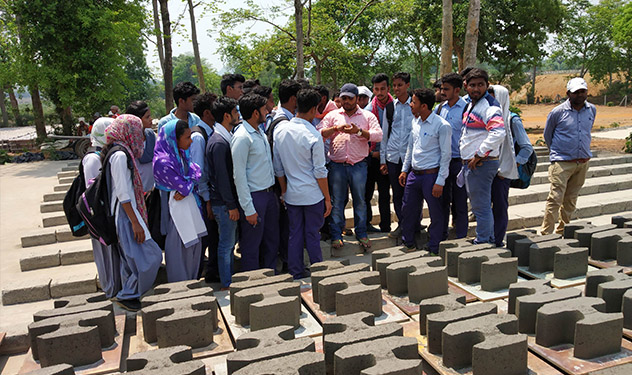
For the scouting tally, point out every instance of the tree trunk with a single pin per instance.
(535, 67)
(471, 33)
(446, 38)
(158, 32)
(38, 111)
(3, 108)
(196, 48)
(14, 106)
(65, 115)
(458, 51)
(300, 58)
(168, 65)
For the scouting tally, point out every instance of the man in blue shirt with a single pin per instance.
(425, 169)
(567, 135)
(254, 180)
(183, 94)
(454, 197)
(299, 164)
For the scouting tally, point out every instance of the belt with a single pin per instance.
(425, 171)
(486, 158)
(266, 190)
(579, 161)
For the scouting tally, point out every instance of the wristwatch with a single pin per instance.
(360, 133)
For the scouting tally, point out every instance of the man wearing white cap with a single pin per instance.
(567, 135)
(364, 96)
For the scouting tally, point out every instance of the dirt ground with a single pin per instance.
(552, 85)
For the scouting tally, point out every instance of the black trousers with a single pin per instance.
(384, 194)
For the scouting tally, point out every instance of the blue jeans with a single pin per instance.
(340, 176)
(479, 188)
(226, 244)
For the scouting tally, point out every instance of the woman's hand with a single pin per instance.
(177, 196)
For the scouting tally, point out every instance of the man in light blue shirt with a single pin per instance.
(425, 169)
(254, 179)
(299, 164)
(454, 198)
(183, 94)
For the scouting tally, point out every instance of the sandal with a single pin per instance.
(337, 244)
(365, 242)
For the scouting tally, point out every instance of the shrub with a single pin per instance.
(627, 147)
(615, 125)
(610, 104)
(540, 142)
(4, 157)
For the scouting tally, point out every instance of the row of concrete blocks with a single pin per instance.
(605, 242)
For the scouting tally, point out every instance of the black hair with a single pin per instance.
(307, 99)
(453, 79)
(264, 91)
(335, 95)
(304, 82)
(222, 106)
(229, 80)
(203, 102)
(137, 108)
(322, 90)
(184, 90)
(404, 76)
(181, 126)
(248, 104)
(380, 77)
(437, 84)
(477, 73)
(490, 89)
(287, 89)
(425, 96)
(250, 84)
(464, 72)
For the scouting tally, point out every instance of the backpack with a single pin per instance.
(74, 219)
(526, 170)
(94, 204)
(199, 129)
(270, 130)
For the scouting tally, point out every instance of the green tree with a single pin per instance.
(185, 70)
(622, 36)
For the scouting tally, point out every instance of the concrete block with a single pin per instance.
(527, 306)
(190, 321)
(76, 256)
(452, 255)
(562, 256)
(620, 220)
(526, 288)
(329, 264)
(584, 235)
(74, 305)
(65, 180)
(597, 277)
(449, 244)
(626, 309)
(65, 235)
(53, 197)
(266, 344)
(63, 369)
(54, 219)
(345, 330)
(624, 251)
(612, 292)
(39, 237)
(305, 363)
(603, 245)
(73, 284)
(252, 279)
(351, 293)
(24, 291)
(433, 305)
(436, 322)
(388, 355)
(581, 322)
(176, 291)
(491, 344)
(63, 174)
(494, 268)
(176, 360)
(387, 253)
(512, 237)
(382, 263)
(570, 262)
(420, 278)
(332, 269)
(522, 246)
(75, 339)
(62, 187)
(40, 259)
(51, 207)
(268, 306)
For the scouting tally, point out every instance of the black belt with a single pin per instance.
(266, 190)
(426, 171)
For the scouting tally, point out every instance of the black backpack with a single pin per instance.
(74, 219)
(201, 130)
(94, 203)
(270, 130)
(526, 170)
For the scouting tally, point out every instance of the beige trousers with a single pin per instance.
(566, 178)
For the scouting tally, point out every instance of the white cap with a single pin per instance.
(575, 84)
(363, 90)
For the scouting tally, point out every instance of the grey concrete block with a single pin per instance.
(345, 330)
(65, 180)
(624, 251)
(189, 321)
(597, 277)
(491, 344)
(382, 263)
(570, 262)
(268, 306)
(436, 322)
(40, 259)
(24, 291)
(449, 244)
(584, 235)
(522, 246)
(626, 309)
(604, 244)
(306, 363)
(64, 174)
(176, 360)
(433, 305)
(612, 292)
(76, 256)
(51, 207)
(53, 197)
(270, 343)
(494, 268)
(176, 291)
(74, 305)
(387, 253)
(351, 293)
(73, 284)
(512, 237)
(62, 187)
(39, 237)
(420, 278)
(63, 369)
(75, 339)
(541, 254)
(54, 219)
(620, 220)
(452, 255)
(252, 279)
(389, 355)
(527, 306)
(581, 322)
(332, 269)
(65, 235)
(526, 288)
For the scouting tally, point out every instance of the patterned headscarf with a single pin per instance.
(97, 135)
(173, 168)
(127, 131)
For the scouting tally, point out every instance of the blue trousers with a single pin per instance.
(394, 169)
(341, 176)
(454, 201)
(259, 244)
(226, 244)
(479, 188)
(419, 188)
(500, 204)
(305, 222)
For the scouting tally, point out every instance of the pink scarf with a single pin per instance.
(376, 105)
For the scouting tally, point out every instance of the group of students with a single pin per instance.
(276, 176)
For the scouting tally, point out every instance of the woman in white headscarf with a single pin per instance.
(507, 169)
(106, 258)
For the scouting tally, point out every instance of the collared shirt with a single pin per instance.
(197, 149)
(429, 146)
(351, 148)
(567, 131)
(483, 130)
(454, 115)
(299, 155)
(193, 119)
(521, 139)
(219, 160)
(252, 164)
(394, 148)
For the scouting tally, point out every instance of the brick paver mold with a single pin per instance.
(388, 355)
(275, 342)
(433, 305)
(490, 344)
(175, 291)
(189, 321)
(571, 228)
(63, 369)
(512, 237)
(175, 360)
(626, 308)
(452, 255)
(75, 339)
(581, 322)
(382, 263)
(522, 246)
(527, 306)
(584, 235)
(306, 363)
(331, 270)
(345, 330)
(603, 245)
(562, 256)
(351, 293)
(620, 220)
(268, 306)
(494, 268)
(420, 278)
(253, 279)
(76, 304)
